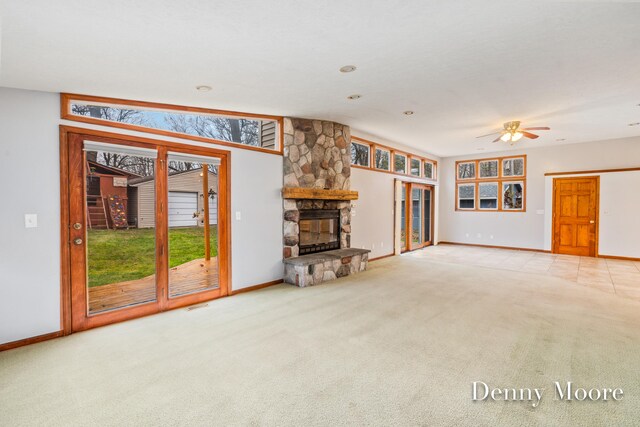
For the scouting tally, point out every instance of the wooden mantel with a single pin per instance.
(318, 194)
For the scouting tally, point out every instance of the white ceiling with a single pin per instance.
(464, 67)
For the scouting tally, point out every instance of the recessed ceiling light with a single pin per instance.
(354, 97)
(560, 139)
(348, 69)
(634, 124)
(408, 113)
(203, 88)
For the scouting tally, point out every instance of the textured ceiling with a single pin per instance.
(464, 67)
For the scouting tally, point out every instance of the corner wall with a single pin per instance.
(532, 229)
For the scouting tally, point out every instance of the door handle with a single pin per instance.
(77, 226)
(592, 222)
(77, 241)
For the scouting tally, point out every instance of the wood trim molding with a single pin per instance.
(318, 194)
(381, 257)
(494, 247)
(256, 287)
(65, 114)
(621, 258)
(392, 151)
(593, 171)
(32, 340)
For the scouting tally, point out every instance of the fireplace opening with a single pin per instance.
(319, 230)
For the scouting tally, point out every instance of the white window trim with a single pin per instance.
(497, 162)
(498, 199)
(374, 159)
(368, 155)
(502, 195)
(524, 165)
(474, 196)
(466, 163)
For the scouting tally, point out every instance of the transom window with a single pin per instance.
(221, 127)
(415, 167)
(360, 154)
(383, 159)
(400, 163)
(498, 184)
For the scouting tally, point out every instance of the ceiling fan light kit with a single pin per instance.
(513, 133)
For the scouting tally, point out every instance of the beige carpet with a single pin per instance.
(399, 344)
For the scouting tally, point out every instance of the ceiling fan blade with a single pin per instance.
(538, 128)
(497, 139)
(489, 134)
(529, 135)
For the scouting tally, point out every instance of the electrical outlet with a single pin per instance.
(382, 244)
(479, 236)
(467, 235)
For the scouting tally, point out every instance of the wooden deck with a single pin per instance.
(190, 277)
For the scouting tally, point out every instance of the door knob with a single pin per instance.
(592, 222)
(77, 241)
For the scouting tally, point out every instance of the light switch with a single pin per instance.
(540, 212)
(238, 215)
(353, 212)
(30, 220)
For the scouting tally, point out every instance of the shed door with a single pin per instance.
(182, 206)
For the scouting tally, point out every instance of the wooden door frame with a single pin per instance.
(69, 135)
(554, 240)
(408, 187)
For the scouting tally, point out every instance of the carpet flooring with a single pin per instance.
(399, 344)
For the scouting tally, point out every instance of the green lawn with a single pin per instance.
(121, 255)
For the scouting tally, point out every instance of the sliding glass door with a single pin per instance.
(416, 210)
(147, 227)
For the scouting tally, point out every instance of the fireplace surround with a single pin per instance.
(317, 203)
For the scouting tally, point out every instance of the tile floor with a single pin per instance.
(614, 276)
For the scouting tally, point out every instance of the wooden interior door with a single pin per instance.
(575, 216)
(120, 269)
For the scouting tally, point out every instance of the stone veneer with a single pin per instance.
(317, 154)
(309, 270)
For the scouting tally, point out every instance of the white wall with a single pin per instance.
(30, 258)
(532, 229)
(373, 224)
(29, 177)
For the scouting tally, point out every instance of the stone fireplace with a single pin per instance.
(317, 203)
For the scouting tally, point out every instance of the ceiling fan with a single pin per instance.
(512, 132)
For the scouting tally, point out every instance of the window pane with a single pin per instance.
(466, 196)
(400, 163)
(415, 167)
(382, 159)
(488, 169)
(466, 170)
(488, 193)
(121, 233)
(416, 213)
(427, 216)
(512, 195)
(359, 154)
(193, 238)
(513, 167)
(403, 219)
(428, 170)
(254, 132)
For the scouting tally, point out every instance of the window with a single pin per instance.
(200, 124)
(383, 159)
(359, 154)
(488, 194)
(415, 167)
(428, 169)
(513, 167)
(488, 169)
(466, 196)
(467, 170)
(400, 163)
(512, 196)
(498, 183)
